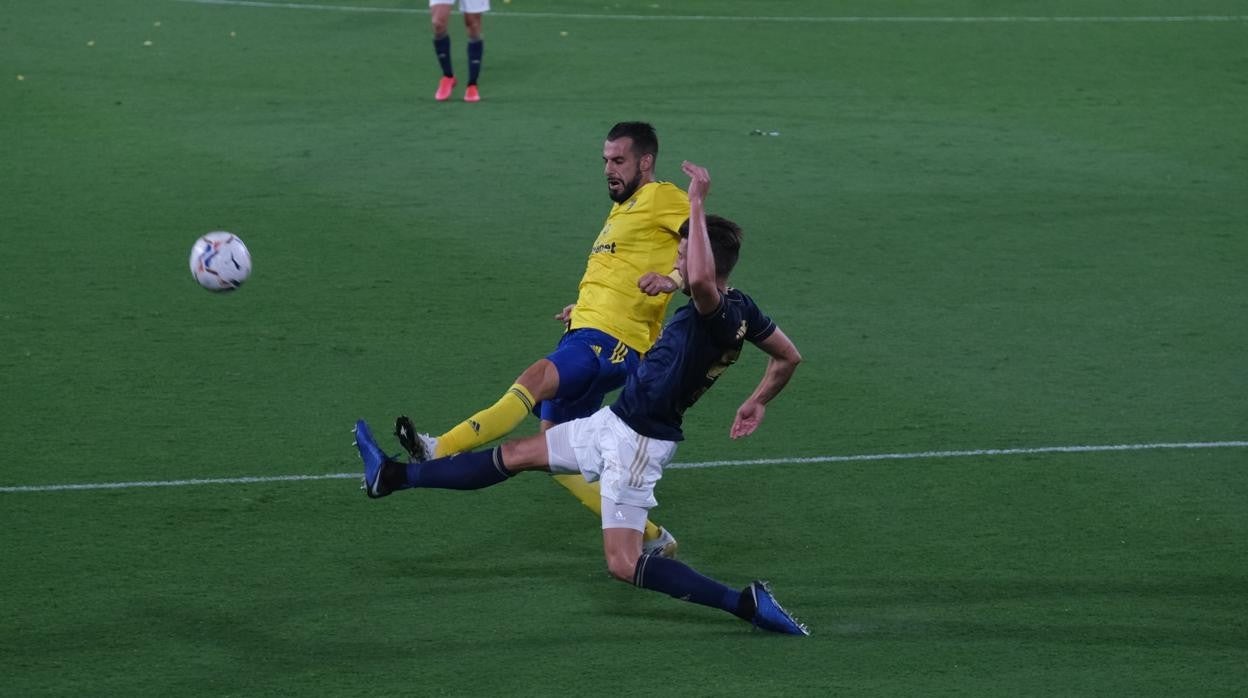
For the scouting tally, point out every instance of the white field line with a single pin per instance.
(983, 452)
(742, 18)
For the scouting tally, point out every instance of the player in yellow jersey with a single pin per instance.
(619, 310)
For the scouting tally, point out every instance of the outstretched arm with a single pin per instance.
(783, 360)
(699, 259)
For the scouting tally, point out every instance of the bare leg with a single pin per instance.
(622, 547)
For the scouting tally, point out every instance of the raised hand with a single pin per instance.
(699, 180)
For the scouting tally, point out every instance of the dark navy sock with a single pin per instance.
(464, 471)
(681, 581)
(475, 48)
(442, 47)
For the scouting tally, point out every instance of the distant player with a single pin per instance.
(619, 310)
(626, 446)
(440, 14)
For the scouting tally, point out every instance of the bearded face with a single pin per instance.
(623, 169)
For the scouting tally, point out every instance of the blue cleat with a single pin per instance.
(374, 461)
(770, 615)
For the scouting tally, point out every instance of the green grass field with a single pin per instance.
(982, 234)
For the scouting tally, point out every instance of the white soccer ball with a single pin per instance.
(220, 261)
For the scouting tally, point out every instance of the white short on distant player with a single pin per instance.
(470, 6)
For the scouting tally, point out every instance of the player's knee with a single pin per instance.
(439, 27)
(622, 565)
(541, 379)
(529, 453)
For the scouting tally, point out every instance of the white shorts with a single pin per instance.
(467, 6)
(602, 447)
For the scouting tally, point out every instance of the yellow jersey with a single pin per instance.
(640, 235)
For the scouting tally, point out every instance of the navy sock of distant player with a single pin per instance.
(475, 49)
(678, 580)
(464, 471)
(442, 47)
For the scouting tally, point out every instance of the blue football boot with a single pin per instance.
(770, 615)
(374, 461)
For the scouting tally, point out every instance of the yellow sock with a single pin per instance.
(488, 424)
(591, 496)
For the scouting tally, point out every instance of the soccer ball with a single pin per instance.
(220, 261)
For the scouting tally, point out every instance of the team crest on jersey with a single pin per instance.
(597, 349)
(741, 331)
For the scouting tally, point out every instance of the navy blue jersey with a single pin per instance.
(689, 356)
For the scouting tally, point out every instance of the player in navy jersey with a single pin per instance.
(626, 445)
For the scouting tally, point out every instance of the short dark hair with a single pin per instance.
(645, 140)
(725, 242)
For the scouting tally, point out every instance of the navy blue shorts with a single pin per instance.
(591, 364)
